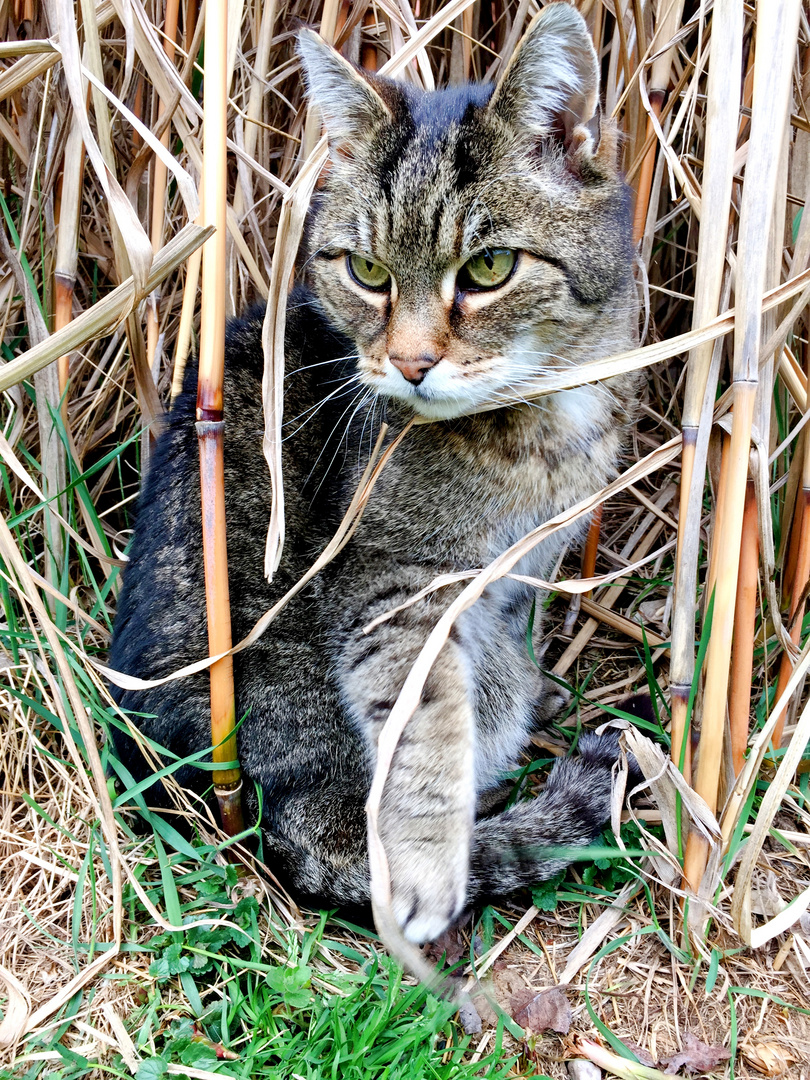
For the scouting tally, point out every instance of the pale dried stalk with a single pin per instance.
(290, 229)
(777, 28)
(722, 108)
(746, 601)
(666, 29)
(159, 178)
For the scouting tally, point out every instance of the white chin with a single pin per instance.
(442, 408)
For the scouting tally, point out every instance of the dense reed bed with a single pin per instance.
(126, 952)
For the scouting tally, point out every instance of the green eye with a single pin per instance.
(490, 268)
(369, 274)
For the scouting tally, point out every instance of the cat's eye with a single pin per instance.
(369, 274)
(488, 269)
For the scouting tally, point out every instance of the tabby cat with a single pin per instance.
(462, 241)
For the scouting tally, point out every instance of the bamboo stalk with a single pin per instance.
(210, 419)
(776, 37)
(67, 246)
(722, 105)
(745, 612)
(801, 576)
(659, 82)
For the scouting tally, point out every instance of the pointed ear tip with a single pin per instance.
(560, 14)
(306, 38)
(309, 44)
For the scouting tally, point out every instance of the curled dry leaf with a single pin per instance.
(18, 1006)
(696, 1056)
(769, 1058)
(546, 1011)
(578, 1045)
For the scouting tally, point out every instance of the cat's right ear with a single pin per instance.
(351, 108)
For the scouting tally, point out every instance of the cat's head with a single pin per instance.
(470, 238)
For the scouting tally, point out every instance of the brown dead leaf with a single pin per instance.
(450, 945)
(506, 989)
(696, 1056)
(769, 1058)
(546, 1011)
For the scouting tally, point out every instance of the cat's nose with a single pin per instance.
(414, 368)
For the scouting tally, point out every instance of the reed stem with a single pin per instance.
(210, 417)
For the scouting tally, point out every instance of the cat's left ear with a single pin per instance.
(550, 88)
(351, 107)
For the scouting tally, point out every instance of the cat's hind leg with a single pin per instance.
(534, 840)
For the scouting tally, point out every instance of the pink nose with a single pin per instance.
(414, 368)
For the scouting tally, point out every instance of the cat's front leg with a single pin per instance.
(428, 803)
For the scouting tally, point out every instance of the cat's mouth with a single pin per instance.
(439, 395)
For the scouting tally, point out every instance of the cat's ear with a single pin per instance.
(550, 88)
(350, 106)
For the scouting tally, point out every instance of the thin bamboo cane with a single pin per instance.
(776, 38)
(745, 617)
(802, 573)
(210, 422)
(722, 105)
(659, 82)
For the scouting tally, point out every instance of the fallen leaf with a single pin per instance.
(769, 1058)
(696, 1056)
(546, 1011)
(503, 989)
(450, 945)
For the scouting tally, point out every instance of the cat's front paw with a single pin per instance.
(428, 885)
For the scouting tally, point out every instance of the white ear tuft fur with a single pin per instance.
(350, 106)
(551, 84)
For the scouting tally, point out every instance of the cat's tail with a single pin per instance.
(534, 840)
